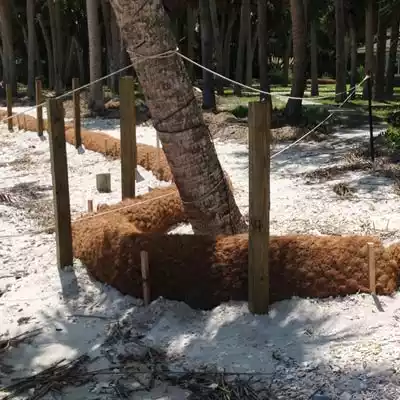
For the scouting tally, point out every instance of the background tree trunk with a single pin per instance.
(293, 109)
(394, 41)
(240, 56)
(369, 43)
(286, 58)
(340, 52)
(9, 68)
(191, 39)
(49, 51)
(218, 46)
(262, 24)
(96, 100)
(314, 58)
(30, 17)
(353, 53)
(379, 88)
(177, 117)
(207, 55)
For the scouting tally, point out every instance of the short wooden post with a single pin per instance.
(144, 261)
(103, 183)
(9, 96)
(19, 122)
(371, 267)
(39, 108)
(128, 136)
(59, 172)
(259, 205)
(90, 205)
(77, 112)
(25, 124)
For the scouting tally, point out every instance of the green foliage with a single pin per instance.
(240, 111)
(393, 136)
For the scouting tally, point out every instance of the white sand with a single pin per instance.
(344, 344)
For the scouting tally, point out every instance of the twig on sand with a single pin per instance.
(54, 378)
(5, 344)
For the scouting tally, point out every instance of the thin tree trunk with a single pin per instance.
(186, 140)
(30, 16)
(96, 100)
(49, 51)
(8, 47)
(116, 49)
(59, 41)
(379, 88)
(249, 55)
(286, 58)
(79, 57)
(391, 65)
(293, 108)
(56, 63)
(218, 46)
(314, 58)
(207, 55)
(340, 52)
(227, 42)
(240, 56)
(353, 54)
(106, 12)
(369, 44)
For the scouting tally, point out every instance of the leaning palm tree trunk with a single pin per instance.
(177, 117)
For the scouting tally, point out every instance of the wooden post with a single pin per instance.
(90, 205)
(77, 112)
(259, 205)
(371, 267)
(103, 183)
(128, 136)
(25, 124)
(59, 172)
(9, 96)
(39, 109)
(144, 260)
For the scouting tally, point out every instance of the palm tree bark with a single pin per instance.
(96, 101)
(218, 45)
(394, 41)
(340, 52)
(293, 109)
(177, 117)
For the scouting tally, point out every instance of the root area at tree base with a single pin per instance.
(204, 271)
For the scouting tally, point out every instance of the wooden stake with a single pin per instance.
(77, 112)
(371, 267)
(59, 172)
(144, 259)
(103, 183)
(9, 96)
(259, 205)
(25, 126)
(19, 122)
(128, 136)
(90, 205)
(39, 109)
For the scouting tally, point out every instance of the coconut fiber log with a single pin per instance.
(105, 144)
(156, 211)
(205, 271)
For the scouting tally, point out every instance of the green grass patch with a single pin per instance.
(393, 137)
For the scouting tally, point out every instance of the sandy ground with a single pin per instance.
(345, 348)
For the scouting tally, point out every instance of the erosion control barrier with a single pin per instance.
(148, 157)
(204, 271)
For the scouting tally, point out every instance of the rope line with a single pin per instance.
(169, 53)
(321, 123)
(162, 55)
